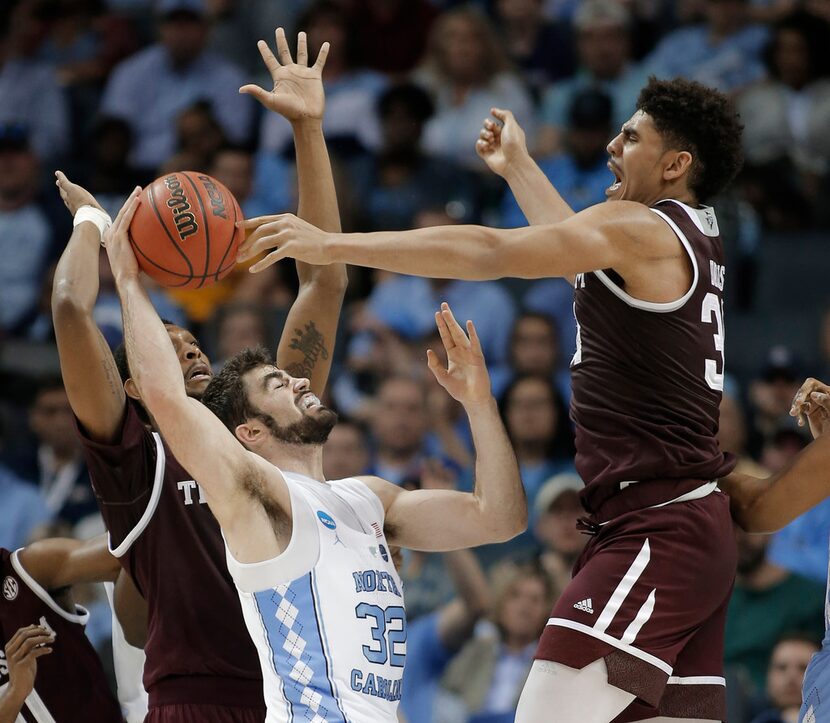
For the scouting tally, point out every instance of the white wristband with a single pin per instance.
(100, 218)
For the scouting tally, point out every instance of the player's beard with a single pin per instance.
(309, 430)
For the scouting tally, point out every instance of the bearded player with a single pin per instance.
(639, 631)
(201, 664)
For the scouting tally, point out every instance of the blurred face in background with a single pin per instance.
(786, 672)
(50, 418)
(791, 58)
(519, 10)
(461, 50)
(399, 420)
(780, 451)
(523, 609)
(603, 48)
(18, 177)
(724, 16)
(183, 35)
(235, 169)
(530, 415)
(240, 329)
(752, 551)
(199, 132)
(556, 528)
(534, 346)
(346, 453)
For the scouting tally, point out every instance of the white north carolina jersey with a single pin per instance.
(327, 615)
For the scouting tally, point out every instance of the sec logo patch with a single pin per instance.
(10, 588)
(326, 519)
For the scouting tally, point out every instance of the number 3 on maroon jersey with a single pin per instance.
(713, 306)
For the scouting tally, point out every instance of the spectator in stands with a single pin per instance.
(346, 452)
(30, 94)
(400, 430)
(407, 304)
(182, 72)
(199, 137)
(540, 48)
(401, 180)
(26, 236)
(54, 463)
(350, 124)
(466, 70)
(391, 34)
(433, 639)
(767, 602)
(785, 675)
(238, 326)
(24, 509)
(555, 298)
(603, 43)
(486, 677)
(580, 170)
(556, 512)
(786, 116)
(771, 396)
(534, 349)
(234, 166)
(723, 52)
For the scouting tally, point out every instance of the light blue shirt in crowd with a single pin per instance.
(30, 94)
(148, 92)
(801, 546)
(23, 510)
(731, 64)
(426, 660)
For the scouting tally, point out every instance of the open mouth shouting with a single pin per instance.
(307, 400)
(198, 372)
(614, 187)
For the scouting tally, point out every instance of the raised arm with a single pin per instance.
(307, 341)
(89, 373)
(200, 442)
(59, 562)
(496, 510)
(502, 146)
(616, 234)
(767, 505)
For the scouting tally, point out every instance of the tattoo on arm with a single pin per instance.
(312, 345)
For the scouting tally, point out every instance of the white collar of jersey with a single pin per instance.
(704, 217)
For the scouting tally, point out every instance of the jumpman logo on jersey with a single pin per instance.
(337, 539)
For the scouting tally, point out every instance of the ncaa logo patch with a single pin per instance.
(326, 519)
(10, 588)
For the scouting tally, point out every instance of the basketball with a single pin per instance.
(184, 232)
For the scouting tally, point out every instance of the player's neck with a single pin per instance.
(676, 192)
(304, 459)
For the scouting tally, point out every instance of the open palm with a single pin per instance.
(298, 88)
(465, 378)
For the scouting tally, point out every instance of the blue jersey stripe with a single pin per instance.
(294, 637)
(325, 643)
(273, 666)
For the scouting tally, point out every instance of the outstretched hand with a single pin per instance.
(288, 235)
(117, 241)
(298, 89)
(466, 378)
(73, 195)
(811, 405)
(501, 141)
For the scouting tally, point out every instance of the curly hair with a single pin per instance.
(226, 395)
(691, 117)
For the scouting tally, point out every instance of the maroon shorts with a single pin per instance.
(649, 595)
(194, 713)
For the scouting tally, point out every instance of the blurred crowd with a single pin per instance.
(116, 92)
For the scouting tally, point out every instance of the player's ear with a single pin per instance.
(131, 390)
(679, 163)
(249, 433)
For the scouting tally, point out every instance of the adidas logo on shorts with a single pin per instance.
(585, 606)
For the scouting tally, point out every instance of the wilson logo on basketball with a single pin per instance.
(217, 202)
(10, 588)
(185, 221)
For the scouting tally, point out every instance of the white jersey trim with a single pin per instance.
(657, 307)
(82, 615)
(605, 638)
(697, 680)
(158, 479)
(297, 559)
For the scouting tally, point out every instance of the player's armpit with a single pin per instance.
(59, 562)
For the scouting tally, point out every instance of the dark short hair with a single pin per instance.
(226, 396)
(412, 97)
(691, 117)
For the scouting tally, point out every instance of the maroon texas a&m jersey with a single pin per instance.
(648, 378)
(198, 650)
(70, 684)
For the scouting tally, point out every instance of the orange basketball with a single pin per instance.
(184, 232)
